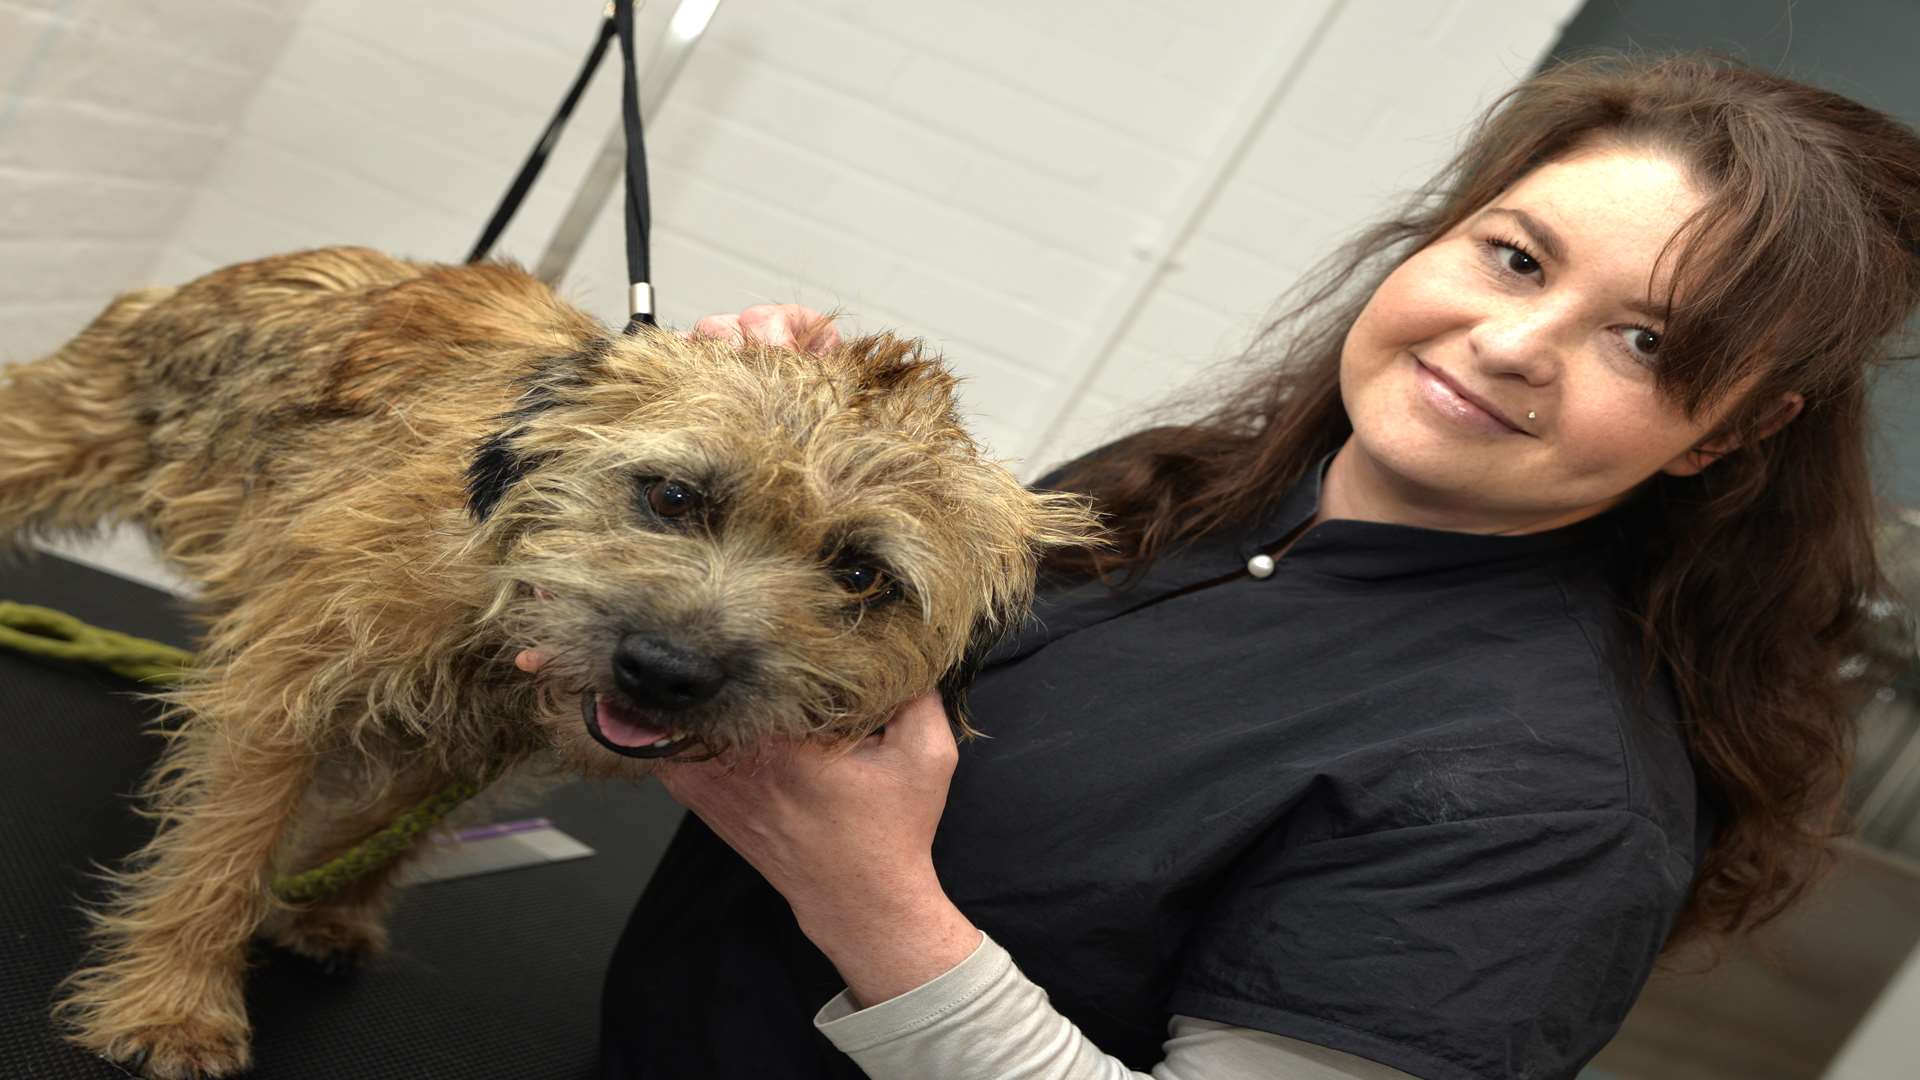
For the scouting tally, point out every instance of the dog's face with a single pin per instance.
(717, 545)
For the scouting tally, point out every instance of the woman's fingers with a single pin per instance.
(724, 327)
(771, 323)
(794, 326)
(823, 337)
(787, 326)
(921, 729)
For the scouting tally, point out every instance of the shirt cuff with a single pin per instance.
(853, 1029)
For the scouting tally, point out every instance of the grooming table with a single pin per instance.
(490, 976)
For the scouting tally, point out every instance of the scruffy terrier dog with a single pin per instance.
(389, 478)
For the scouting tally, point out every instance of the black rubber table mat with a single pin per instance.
(490, 976)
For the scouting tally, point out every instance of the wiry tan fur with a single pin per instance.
(390, 477)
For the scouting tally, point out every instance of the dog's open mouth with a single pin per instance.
(627, 732)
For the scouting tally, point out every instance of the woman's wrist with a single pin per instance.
(888, 944)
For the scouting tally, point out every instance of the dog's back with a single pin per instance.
(177, 404)
(70, 448)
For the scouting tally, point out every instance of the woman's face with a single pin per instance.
(1543, 302)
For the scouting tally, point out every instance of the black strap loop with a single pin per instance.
(639, 221)
(638, 217)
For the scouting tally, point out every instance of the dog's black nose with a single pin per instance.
(656, 675)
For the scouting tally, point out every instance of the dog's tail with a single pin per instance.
(73, 447)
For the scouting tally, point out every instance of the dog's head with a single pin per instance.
(717, 544)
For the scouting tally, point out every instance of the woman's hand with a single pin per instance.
(847, 838)
(789, 326)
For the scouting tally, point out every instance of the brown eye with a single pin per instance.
(866, 583)
(671, 498)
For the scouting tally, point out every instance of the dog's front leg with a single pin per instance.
(164, 990)
(342, 810)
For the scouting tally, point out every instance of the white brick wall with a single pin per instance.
(1003, 177)
(111, 112)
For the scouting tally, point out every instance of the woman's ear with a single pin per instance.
(1789, 407)
(1696, 459)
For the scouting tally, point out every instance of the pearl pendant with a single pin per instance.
(1260, 566)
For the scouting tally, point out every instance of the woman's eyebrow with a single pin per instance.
(1542, 234)
(1649, 309)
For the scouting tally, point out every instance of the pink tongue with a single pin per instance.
(621, 729)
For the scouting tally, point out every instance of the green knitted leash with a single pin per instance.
(379, 849)
(46, 632)
(40, 631)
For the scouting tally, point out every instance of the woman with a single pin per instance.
(1476, 650)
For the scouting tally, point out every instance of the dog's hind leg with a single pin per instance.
(164, 985)
(73, 448)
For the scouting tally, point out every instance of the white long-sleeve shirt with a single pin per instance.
(984, 1020)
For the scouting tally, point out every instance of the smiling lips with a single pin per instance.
(1458, 403)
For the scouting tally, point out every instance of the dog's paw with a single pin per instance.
(190, 1050)
(185, 1024)
(336, 940)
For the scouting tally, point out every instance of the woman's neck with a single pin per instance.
(1357, 488)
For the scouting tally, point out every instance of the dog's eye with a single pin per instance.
(672, 499)
(866, 583)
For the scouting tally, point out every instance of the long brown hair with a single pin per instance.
(1749, 584)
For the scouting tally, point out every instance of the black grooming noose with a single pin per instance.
(617, 23)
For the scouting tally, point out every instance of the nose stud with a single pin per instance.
(1530, 416)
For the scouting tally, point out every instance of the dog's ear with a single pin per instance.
(986, 636)
(887, 366)
(499, 463)
(497, 466)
